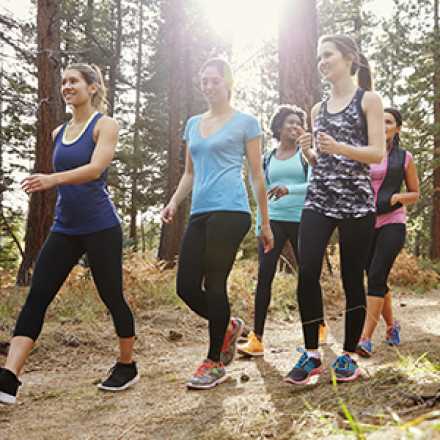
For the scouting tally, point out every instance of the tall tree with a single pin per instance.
(298, 76)
(136, 138)
(50, 113)
(174, 17)
(435, 41)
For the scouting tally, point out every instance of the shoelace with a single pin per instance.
(303, 359)
(203, 368)
(342, 362)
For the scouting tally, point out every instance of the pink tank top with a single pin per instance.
(378, 173)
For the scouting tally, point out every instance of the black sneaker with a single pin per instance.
(8, 387)
(121, 376)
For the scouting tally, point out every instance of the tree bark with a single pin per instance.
(435, 243)
(298, 77)
(114, 67)
(171, 234)
(50, 113)
(135, 168)
(299, 81)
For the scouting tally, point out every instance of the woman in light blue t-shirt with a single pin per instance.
(217, 141)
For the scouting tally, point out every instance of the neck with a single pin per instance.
(287, 144)
(220, 108)
(82, 113)
(343, 87)
(390, 144)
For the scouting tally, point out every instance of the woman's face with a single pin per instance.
(74, 88)
(292, 128)
(213, 85)
(332, 64)
(391, 128)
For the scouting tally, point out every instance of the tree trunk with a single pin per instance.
(435, 242)
(114, 67)
(299, 81)
(298, 76)
(171, 234)
(1, 139)
(50, 112)
(135, 168)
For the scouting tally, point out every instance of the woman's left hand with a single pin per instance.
(277, 191)
(38, 182)
(395, 198)
(328, 145)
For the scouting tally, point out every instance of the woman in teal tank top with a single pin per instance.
(286, 173)
(217, 141)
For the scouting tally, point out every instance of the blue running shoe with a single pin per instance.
(346, 369)
(365, 348)
(306, 371)
(393, 334)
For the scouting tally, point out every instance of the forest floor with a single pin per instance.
(59, 398)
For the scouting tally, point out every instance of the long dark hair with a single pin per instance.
(399, 121)
(349, 48)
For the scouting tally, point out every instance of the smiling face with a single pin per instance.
(292, 128)
(214, 87)
(74, 88)
(391, 127)
(332, 64)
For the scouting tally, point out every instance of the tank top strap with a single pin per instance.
(92, 124)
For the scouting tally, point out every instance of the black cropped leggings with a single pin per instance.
(387, 242)
(59, 254)
(354, 244)
(282, 231)
(208, 251)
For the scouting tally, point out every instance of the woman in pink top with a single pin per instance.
(389, 234)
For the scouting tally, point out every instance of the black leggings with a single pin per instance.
(59, 254)
(208, 251)
(387, 242)
(354, 243)
(282, 231)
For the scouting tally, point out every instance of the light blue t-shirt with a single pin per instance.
(218, 162)
(288, 173)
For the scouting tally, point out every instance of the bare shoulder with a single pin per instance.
(107, 123)
(56, 131)
(371, 100)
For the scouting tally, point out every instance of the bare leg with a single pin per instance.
(126, 350)
(387, 311)
(374, 310)
(19, 351)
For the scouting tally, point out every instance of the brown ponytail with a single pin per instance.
(349, 49)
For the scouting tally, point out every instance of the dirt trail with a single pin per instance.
(60, 401)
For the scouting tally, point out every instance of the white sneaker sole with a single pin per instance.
(124, 387)
(7, 399)
(191, 386)
(250, 353)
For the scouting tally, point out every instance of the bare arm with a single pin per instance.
(412, 185)
(306, 139)
(182, 191)
(107, 139)
(372, 153)
(253, 153)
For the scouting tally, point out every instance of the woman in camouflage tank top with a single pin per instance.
(348, 133)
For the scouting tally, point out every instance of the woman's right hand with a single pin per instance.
(306, 142)
(167, 214)
(266, 236)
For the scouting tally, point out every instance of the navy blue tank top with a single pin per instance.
(82, 208)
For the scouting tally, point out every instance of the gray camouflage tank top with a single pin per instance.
(340, 187)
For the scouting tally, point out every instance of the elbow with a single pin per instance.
(95, 173)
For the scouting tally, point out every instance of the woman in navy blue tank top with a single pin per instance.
(85, 222)
(349, 134)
